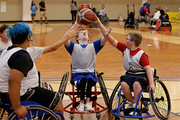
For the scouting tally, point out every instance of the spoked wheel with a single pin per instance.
(63, 84)
(103, 89)
(36, 112)
(47, 86)
(136, 23)
(113, 102)
(160, 101)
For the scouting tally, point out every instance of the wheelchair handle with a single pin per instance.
(101, 73)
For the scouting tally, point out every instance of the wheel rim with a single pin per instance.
(36, 113)
(63, 84)
(116, 99)
(103, 90)
(113, 103)
(160, 100)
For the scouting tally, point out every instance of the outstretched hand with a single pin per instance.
(76, 25)
(108, 31)
(96, 21)
(72, 32)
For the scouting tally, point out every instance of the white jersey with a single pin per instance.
(35, 52)
(30, 81)
(3, 45)
(156, 15)
(83, 59)
(132, 63)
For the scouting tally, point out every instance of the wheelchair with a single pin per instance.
(131, 22)
(35, 112)
(163, 25)
(104, 20)
(145, 19)
(160, 101)
(75, 95)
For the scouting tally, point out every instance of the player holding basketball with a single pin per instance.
(136, 63)
(83, 62)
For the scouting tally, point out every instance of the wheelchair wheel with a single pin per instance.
(103, 89)
(36, 112)
(136, 23)
(63, 84)
(160, 100)
(113, 102)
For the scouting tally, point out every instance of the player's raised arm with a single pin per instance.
(74, 27)
(69, 34)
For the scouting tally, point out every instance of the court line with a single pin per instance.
(42, 60)
(108, 79)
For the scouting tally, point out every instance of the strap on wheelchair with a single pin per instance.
(136, 72)
(72, 79)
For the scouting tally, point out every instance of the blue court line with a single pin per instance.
(177, 114)
(165, 63)
(117, 78)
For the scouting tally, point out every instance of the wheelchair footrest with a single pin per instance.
(91, 99)
(127, 111)
(78, 93)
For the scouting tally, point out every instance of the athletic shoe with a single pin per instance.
(138, 108)
(88, 107)
(47, 24)
(130, 105)
(81, 107)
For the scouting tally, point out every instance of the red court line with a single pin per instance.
(175, 99)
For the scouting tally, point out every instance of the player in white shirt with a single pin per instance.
(83, 62)
(154, 18)
(18, 73)
(35, 52)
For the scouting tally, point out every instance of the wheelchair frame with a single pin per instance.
(118, 101)
(71, 107)
(35, 108)
(163, 25)
(35, 111)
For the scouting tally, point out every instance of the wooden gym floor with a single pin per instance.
(162, 48)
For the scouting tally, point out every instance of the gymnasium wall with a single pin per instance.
(60, 9)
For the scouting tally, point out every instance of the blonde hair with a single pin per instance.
(77, 35)
(136, 37)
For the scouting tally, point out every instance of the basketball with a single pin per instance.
(86, 16)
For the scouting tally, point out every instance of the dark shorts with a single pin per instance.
(143, 13)
(40, 95)
(131, 80)
(45, 97)
(33, 14)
